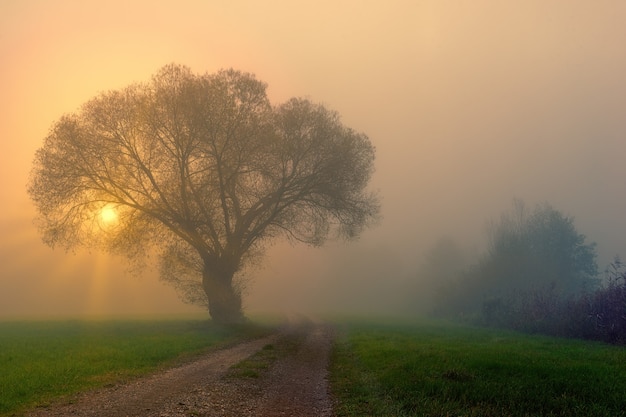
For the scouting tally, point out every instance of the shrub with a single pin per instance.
(599, 315)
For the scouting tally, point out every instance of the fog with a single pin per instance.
(469, 104)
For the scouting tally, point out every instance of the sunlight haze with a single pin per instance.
(469, 104)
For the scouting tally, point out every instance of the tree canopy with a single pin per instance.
(205, 171)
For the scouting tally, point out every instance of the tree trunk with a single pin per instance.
(224, 300)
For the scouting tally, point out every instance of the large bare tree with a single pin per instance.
(203, 171)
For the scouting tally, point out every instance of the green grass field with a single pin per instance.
(42, 361)
(439, 369)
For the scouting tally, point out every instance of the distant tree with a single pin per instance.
(443, 261)
(534, 258)
(204, 171)
(441, 266)
(530, 249)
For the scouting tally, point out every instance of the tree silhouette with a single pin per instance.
(531, 249)
(203, 171)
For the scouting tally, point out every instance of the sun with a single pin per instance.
(108, 215)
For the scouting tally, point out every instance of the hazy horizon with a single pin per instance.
(469, 105)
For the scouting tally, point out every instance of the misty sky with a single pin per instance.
(469, 104)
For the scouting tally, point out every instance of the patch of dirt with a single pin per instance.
(294, 383)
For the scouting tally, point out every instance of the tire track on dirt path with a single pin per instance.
(299, 383)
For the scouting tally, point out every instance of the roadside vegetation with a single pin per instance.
(440, 369)
(44, 361)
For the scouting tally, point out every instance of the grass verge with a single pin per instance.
(439, 369)
(41, 362)
(255, 365)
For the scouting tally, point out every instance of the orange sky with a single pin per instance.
(469, 103)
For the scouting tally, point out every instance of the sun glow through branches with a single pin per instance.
(108, 216)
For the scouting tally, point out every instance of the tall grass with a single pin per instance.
(41, 361)
(437, 369)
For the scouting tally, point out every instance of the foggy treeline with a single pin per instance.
(538, 273)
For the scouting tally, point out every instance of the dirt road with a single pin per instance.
(292, 383)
